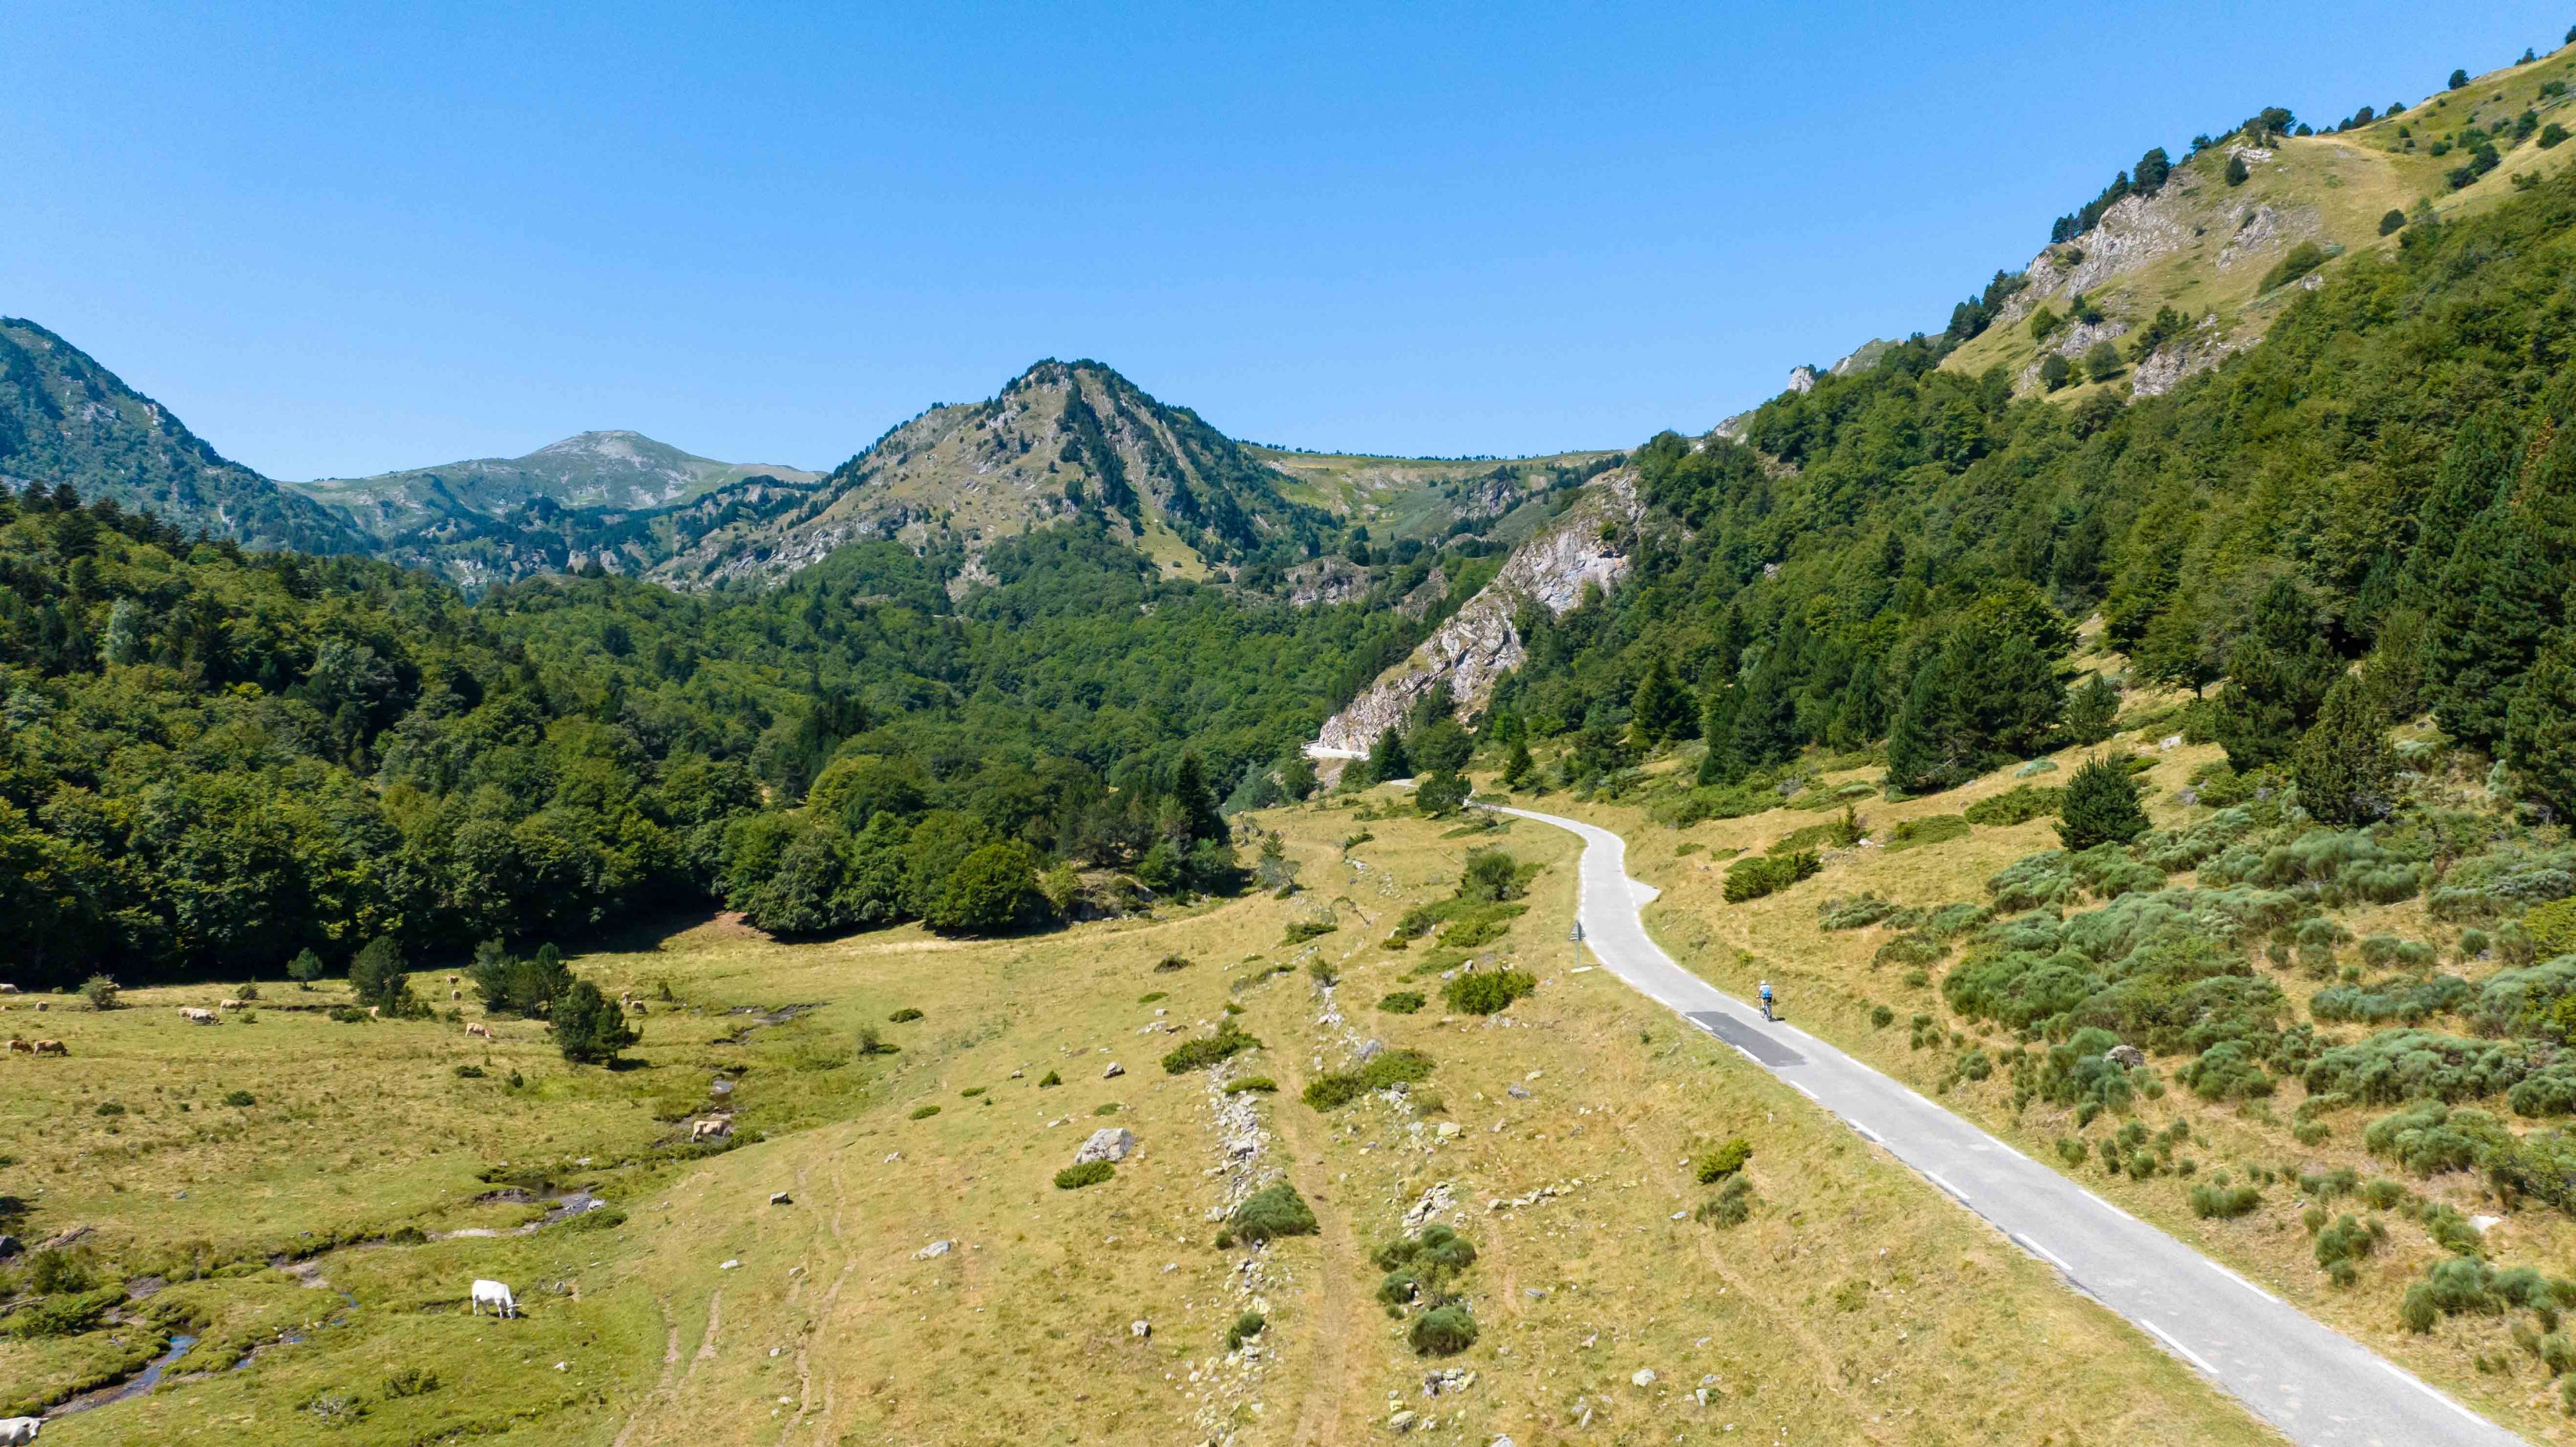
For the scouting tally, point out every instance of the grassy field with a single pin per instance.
(1833, 983)
(306, 1240)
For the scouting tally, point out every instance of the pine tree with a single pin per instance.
(2497, 600)
(2092, 709)
(1661, 711)
(376, 975)
(2101, 807)
(589, 1028)
(1386, 762)
(2346, 771)
(1517, 766)
(305, 968)
(2540, 728)
(2278, 674)
(2013, 699)
(1723, 700)
(2475, 470)
(1766, 720)
(1927, 746)
(1197, 801)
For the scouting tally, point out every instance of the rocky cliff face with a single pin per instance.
(1479, 644)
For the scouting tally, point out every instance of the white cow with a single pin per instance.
(17, 1430)
(494, 1294)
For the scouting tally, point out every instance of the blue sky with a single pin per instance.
(342, 239)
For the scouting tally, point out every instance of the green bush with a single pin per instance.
(2301, 259)
(1880, 1017)
(1274, 1211)
(1392, 1067)
(2224, 1203)
(2397, 1065)
(1731, 1206)
(1401, 1002)
(1750, 879)
(2100, 806)
(239, 1097)
(1050, 1080)
(1307, 929)
(1444, 1331)
(1261, 1084)
(1915, 948)
(2409, 1001)
(2342, 1246)
(1930, 829)
(1247, 1326)
(2429, 1137)
(1088, 1173)
(1717, 1164)
(1858, 912)
(925, 1112)
(1486, 992)
(1228, 1042)
(2017, 805)
(904, 1016)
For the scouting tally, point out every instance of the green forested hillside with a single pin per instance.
(1896, 555)
(66, 419)
(215, 759)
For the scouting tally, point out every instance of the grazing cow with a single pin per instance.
(51, 1047)
(495, 1295)
(375, 1012)
(8, 989)
(15, 1431)
(199, 1015)
(479, 1029)
(19, 1046)
(709, 1129)
(451, 979)
(235, 1005)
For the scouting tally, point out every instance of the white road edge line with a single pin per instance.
(1802, 1090)
(2241, 1281)
(2044, 1254)
(2193, 1357)
(1934, 1177)
(2419, 1384)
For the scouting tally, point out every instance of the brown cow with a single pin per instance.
(18, 1046)
(51, 1047)
(479, 1029)
(199, 1015)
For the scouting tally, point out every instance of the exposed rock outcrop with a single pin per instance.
(1479, 644)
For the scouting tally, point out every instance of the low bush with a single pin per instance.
(1050, 1080)
(925, 1112)
(1307, 929)
(1751, 879)
(1392, 1067)
(1274, 1211)
(1088, 1173)
(1261, 1084)
(1401, 1002)
(1857, 912)
(2397, 1065)
(1247, 1326)
(1913, 948)
(239, 1097)
(1720, 1162)
(2224, 1203)
(1444, 1331)
(1930, 829)
(1486, 992)
(1731, 1206)
(904, 1016)
(2429, 1137)
(2036, 881)
(2342, 1246)
(2017, 805)
(1228, 1042)
(1169, 963)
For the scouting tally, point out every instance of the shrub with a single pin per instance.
(925, 1112)
(1401, 1002)
(1915, 948)
(2227, 1071)
(1246, 1327)
(2417, 1311)
(1880, 1017)
(1228, 1042)
(469, 1072)
(1444, 1331)
(2429, 1138)
(1050, 1080)
(589, 1027)
(1750, 879)
(1088, 1173)
(1485, 992)
(1731, 1206)
(1723, 1161)
(1490, 877)
(305, 968)
(2550, 1090)
(411, 1382)
(1392, 1067)
(101, 992)
(1917, 833)
(2397, 1065)
(2224, 1203)
(2409, 1001)
(1261, 1084)
(2017, 805)
(1307, 929)
(1859, 912)
(2301, 259)
(348, 1015)
(904, 1016)
(1274, 1211)
(2034, 881)
(2346, 1242)
(239, 1097)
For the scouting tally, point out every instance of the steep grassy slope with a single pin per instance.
(66, 419)
(1416, 497)
(2211, 250)
(1852, 1303)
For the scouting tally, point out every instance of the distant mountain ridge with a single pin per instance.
(589, 470)
(66, 419)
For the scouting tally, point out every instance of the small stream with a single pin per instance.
(141, 1383)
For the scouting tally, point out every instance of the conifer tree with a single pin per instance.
(2497, 600)
(1661, 710)
(2012, 697)
(589, 1028)
(1766, 720)
(1723, 700)
(1517, 765)
(2474, 471)
(2540, 728)
(2278, 674)
(2101, 807)
(2092, 709)
(1926, 745)
(2346, 771)
(1387, 762)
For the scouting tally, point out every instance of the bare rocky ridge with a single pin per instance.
(1480, 643)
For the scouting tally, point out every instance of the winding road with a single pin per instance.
(2313, 1383)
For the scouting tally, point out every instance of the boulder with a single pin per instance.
(1114, 1071)
(1645, 1377)
(781, 1198)
(935, 1248)
(1369, 1050)
(1109, 1143)
(2127, 1057)
(1140, 1328)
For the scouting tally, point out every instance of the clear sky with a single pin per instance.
(340, 239)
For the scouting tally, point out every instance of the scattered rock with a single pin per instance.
(1446, 1130)
(1645, 1377)
(1140, 1328)
(935, 1248)
(1434, 1201)
(1114, 1071)
(1401, 1421)
(1452, 1379)
(1517, 1091)
(2127, 1057)
(1109, 1143)
(727, 1264)
(1369, 1050)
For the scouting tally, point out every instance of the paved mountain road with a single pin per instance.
(2316, 1385)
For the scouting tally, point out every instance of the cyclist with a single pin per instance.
(1766, 1001)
